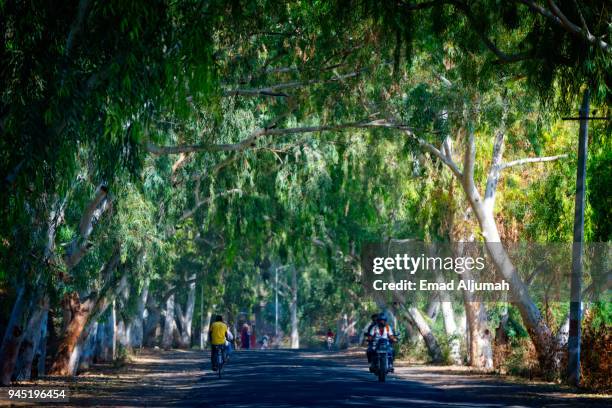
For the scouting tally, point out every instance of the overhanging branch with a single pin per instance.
(556, 16)
(250, 141)
(520, 162)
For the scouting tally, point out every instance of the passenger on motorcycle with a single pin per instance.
(370, 351)
(382, 330)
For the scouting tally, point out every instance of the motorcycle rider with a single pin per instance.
(218, 335)
(382, 330)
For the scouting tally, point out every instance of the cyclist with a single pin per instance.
(218, 335)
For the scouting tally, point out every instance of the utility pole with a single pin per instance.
(573, 366)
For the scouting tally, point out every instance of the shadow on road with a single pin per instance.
(291, 378)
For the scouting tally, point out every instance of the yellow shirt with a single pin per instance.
(217, 333)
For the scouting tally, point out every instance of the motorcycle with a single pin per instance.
(381, 365)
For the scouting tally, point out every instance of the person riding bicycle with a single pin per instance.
(218, 334)
(382, 330)
(370, 350)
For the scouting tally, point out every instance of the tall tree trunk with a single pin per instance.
(204, 329)
(77, 315)
(89, 347)
(450, 328)
(152, 327)
(169, 324)
(30, 343)
(539, 332)
(123, 334)
(42, 345)
(479, 339)
(111, 336)
(137, 323)
(26, 314)
(295, 335)
(64, 363)
(433, 348)
(341, 327)
(108, 336)
(105, 339)
(186, 317)
(80, 245)
(13, 337)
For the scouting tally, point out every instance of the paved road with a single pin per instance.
(287, 378)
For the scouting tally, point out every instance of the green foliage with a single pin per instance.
(82, 97)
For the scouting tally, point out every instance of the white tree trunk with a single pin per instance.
(451, 332)
(169, 323)
(89, 347)
(186, 317)
(42, 346)
(13, 336)
(539, 332)
(483, 209)
(413, 314)
(341, 329)
(75, 357)
(295, 335)
(137, 324)
(102, 351)
(79, 246)
(105, 339)
(205, 328)
(152, 329)
(30, 343)
(123, 334)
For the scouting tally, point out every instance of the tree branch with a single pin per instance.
(250, 141)
(274, 90)
(557, 17)
(520, 162)
(79, 246)
(496, 160)
(469, 158)
(476, 26)
(76, 26)
(428, 147)
(199, 203)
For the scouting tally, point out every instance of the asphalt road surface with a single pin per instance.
(287, 378)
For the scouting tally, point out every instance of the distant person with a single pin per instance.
(229, 339)
(253, 337)
(329, 337)
(218, 334)
(245, 337)
(265, 342)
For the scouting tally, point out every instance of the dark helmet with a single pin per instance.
(382, 317)
(375, 316)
